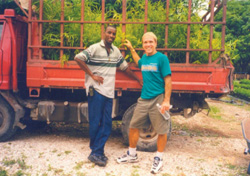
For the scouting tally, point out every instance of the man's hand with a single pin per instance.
(141, 82)
(165, 106)
(128, 44)
(98, 79)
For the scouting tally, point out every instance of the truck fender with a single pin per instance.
(18, 110)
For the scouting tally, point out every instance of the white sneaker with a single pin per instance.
(157, 165)
(127, 159)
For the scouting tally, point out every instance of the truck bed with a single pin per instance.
(186, 78)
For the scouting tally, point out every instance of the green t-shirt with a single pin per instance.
(154, 68)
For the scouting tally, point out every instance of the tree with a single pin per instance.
(238, 31)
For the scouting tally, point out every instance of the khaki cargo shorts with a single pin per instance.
(146, 113)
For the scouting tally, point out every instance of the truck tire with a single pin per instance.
(148, 137)
(7, 119)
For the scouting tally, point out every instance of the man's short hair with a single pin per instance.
(113, 26)
(150, 34)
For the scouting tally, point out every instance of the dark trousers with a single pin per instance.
(100, 122)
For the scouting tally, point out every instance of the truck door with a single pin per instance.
(1, 54)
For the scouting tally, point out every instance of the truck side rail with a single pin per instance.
(186, 77)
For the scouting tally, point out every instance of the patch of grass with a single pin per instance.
(135, 173)
(215, 143)
(8, 162)
(3, 172)
(201, 160)
(22, 164)
(19, 173)
(54, 151)
(80, 174)
(58, 171)
(136, 167)
(166, 174)
(199, 140)
(230, 166)
(79, 165)
(236, 170)
(40, 154)
(215, 113)
(50, 168)
(67, 152)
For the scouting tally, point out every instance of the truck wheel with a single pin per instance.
(148, 137)
(7, 119)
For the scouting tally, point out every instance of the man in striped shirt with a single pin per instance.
(99, 62)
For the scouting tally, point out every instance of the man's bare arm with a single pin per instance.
(86, 69)
(168, 90)
(133, 75)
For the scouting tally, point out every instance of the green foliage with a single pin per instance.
(135, 12)
(242, 89)
(8, 162)
(245, 86)
(237, 30)
(3, 172)
(245, 93)
(9, 4)
(245, 81)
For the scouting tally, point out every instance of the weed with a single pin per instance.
(58, 171)
(8, 162)
(230, 166)
(80, 174)
(135, 173)
(136, 167)
(67, 152)
(166, 174)
(54, 151)
(108, 174)
(79, 165)
(40, 154)
(215, 113)
(50, 168)
(19, 173)
(22, 164)
(199, 140)
(3, 172)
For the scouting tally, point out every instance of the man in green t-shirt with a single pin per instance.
(157, 87)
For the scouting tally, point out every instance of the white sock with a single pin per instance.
(132, 151)
(159, 154)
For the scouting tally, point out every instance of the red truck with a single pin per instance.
(38, 89)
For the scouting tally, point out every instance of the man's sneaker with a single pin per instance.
(98, 160)
(157, 165)
(127, 158)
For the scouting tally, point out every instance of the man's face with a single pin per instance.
(109, 35)
(149, 45)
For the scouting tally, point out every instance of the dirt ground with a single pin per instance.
(204, 145)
